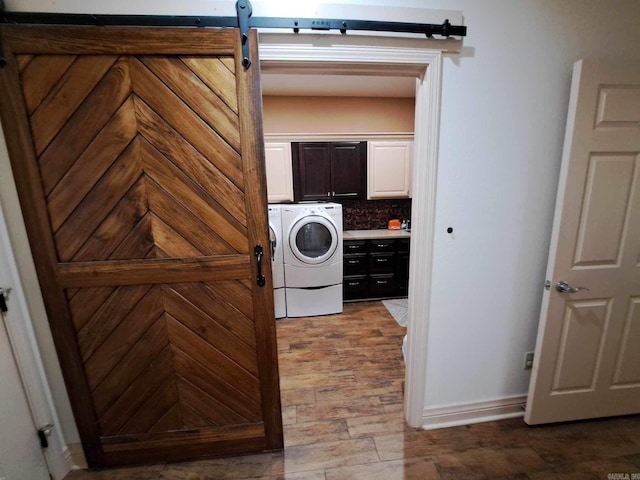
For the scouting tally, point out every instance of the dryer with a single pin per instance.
(312, 258)
(277, 259)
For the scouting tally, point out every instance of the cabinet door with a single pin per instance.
(389, 169)
(279, 172)
(311, 171)
(348, 169)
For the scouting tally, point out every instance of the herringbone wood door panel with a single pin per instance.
(148, 175)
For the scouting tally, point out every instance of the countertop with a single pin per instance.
(371, 234)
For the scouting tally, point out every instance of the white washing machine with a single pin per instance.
(312, 258)
(277, 259)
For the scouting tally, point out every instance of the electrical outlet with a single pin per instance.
(528, 361)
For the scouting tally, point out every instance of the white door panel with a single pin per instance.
(20, 454)
(587, 356)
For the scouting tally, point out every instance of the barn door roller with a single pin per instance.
(243, 20)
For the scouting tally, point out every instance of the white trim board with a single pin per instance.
(426, 66)
(477, 412)
(331, 137)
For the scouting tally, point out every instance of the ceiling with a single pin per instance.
(318, 85)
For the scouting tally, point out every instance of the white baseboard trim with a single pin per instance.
(477, 412)
(74, 456)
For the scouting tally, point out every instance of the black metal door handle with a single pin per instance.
(259, 252)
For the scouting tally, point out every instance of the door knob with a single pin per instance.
(564, 287)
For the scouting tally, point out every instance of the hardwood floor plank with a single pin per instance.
(384, 446)
(418, 468)
(330, 455)
(319, 431)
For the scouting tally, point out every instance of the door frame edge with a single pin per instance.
(426, 66)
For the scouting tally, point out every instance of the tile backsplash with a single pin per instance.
(373, 214)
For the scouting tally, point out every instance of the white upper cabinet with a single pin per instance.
(279, 172)
(389, 167)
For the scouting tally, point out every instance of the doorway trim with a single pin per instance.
(426, 66)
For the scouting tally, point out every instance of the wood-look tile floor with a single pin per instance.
(342, 381)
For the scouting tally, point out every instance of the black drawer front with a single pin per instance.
(403, 245)
(402, 274)
(355, 287)
(382, 263)
(382, 285)
(355, 264)
(383, 245)
(355, 246)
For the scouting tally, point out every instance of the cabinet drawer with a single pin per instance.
(355, 246)
(381, 245)
(382, 263)
(382, 285)
(355, 287)
(355, 264)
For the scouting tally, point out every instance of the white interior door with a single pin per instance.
(20, 455)
(587, 360)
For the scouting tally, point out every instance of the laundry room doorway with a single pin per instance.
(325, 58)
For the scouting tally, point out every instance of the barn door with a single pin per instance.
(138, 157)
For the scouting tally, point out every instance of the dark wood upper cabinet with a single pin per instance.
(329, 170)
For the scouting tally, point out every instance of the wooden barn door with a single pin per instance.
(139, 161)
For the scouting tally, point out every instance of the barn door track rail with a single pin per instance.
(244, 21)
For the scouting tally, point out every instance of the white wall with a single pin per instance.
(503, 113)
(504, 107)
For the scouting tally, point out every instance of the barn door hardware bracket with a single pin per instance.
(244, 11)
(243, 21)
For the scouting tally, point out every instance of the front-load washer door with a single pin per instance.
(313, 239)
